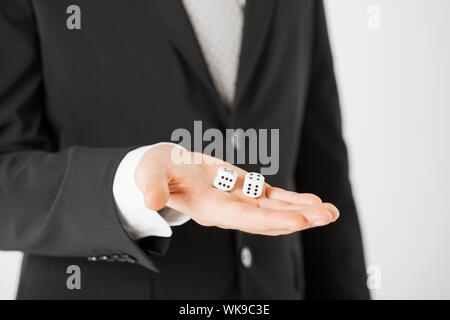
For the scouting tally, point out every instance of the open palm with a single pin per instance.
(187, 188)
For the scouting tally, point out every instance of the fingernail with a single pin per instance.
(337, 214)
(331, 216)
(319, 223)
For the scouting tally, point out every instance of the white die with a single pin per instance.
(225, 179)
(253, 185)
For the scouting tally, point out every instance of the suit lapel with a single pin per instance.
(170, 16)
(258, 15)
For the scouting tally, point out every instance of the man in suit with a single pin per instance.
(83, 181)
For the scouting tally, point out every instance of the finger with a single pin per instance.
(237, 215)
(333, 210)
(319, 214)
(267, 203)
(271, 233)
(156, 189)
(292, 197)
(313, 215)
(300, 198)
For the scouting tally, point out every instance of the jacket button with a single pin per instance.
(246, 257)
(115, 257)
(127, 258)
(121, 259)
(131, 260)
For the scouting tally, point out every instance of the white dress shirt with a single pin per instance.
(218, 26)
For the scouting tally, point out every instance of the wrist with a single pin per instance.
(138, 219)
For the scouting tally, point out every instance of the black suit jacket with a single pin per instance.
(74, 102)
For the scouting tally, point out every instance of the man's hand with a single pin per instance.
(187, 187)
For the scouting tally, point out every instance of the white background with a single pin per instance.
(395, 92)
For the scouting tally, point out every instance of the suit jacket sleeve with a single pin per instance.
(334, 260)
(52, 202)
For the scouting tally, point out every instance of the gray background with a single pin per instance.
(395, 93)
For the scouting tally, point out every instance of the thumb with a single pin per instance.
(154, 185)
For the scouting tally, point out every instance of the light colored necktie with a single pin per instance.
(218, 26)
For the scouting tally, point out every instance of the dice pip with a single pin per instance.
(225, 179)
(253, 185)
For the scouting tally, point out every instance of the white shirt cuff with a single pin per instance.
(139, 221)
